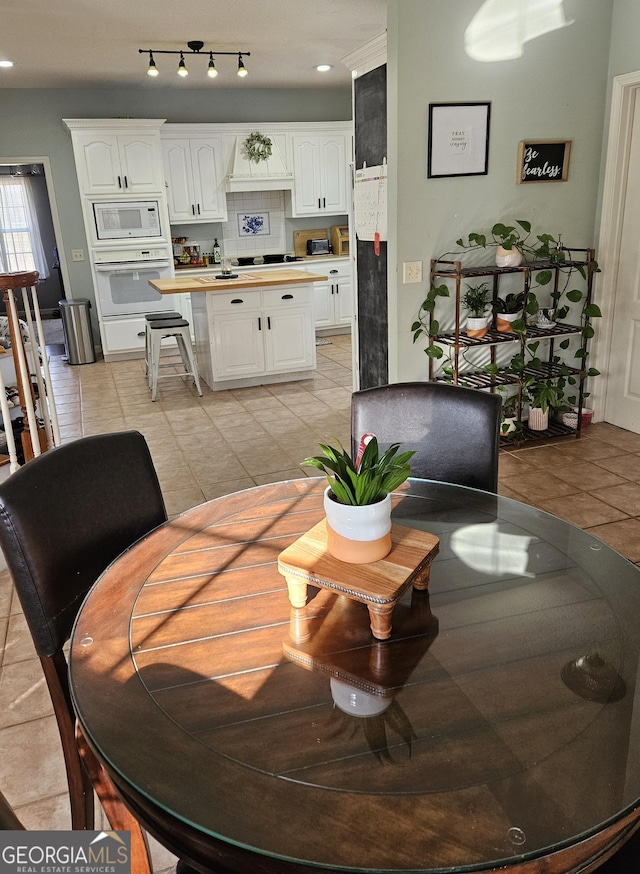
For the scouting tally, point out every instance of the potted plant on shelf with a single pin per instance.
(543, 396)
(509, 310)
(512, 244)
(509, 424)
(357, 500)
(476, 301)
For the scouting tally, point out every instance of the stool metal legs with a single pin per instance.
(159, 330)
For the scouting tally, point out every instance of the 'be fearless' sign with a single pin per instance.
(544, 161)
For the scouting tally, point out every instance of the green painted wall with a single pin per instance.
(556, 90)
(31, 126)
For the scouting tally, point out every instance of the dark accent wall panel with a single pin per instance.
(370, 132)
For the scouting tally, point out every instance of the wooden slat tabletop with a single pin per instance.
(223, 709)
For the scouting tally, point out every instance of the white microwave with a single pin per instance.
(124, 220)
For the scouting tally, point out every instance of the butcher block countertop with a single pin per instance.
(254, 279)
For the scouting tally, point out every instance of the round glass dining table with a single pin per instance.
(495, 729)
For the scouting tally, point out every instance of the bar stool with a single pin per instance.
(152, 317)
(159, 330)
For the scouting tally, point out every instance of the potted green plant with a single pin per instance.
(476, 301)
(509, 422)
(543, 396)
(509, 309)
(357, 500)
(512, 243)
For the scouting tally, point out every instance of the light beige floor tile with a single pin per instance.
(6, 590)
(179, 500)
(624, 536)
(536, 485)
(582, 509)
(266, 463)
(23, 693)
(32, 761)
(586, 476)
(226, 487)
(587, 449)
(19, 645)
(625, 497)
(177, 478)
(549, 457)
(278, 476)
(623, 465)
(47, 813)
(616, 436)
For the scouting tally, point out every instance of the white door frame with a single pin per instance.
(57, 227)
(623, 105)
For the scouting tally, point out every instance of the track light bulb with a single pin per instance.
(182, 70)
(152, 70)
(211, 71)
(242, 70)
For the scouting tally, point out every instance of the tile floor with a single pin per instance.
(226, 441)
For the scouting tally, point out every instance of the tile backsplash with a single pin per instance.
(256, 224)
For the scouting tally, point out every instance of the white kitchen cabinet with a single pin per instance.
(195, 179)
(333, 299)
(118, 164)
(320, 174)
(253, 337)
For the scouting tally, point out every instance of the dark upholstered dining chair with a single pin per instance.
(455, 431)
(64, 517)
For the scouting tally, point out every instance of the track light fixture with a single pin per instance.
(194, 48)
(152, 70)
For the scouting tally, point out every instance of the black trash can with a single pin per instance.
(76, 325)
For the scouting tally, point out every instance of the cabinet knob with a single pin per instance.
(333, 271)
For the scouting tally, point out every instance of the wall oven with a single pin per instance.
(122, 281)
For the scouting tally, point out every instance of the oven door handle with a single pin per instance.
(125, 266)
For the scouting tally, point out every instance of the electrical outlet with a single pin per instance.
(77, 255)
(411, 271)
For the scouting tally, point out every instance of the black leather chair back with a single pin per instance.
(65, 516)
(455, 431)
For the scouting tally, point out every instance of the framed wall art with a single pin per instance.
(458, 139)
(543, 160)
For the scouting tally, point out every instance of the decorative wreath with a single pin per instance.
(257, 147)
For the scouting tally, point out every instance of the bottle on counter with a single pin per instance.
(217, 252)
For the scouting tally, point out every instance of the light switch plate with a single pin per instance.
(77, 254)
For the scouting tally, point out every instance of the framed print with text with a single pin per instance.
(543, 160)
(458, 139)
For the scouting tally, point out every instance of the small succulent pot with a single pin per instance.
(538, 419)
(508, 257)
(504, 321)
(358, 534)
(477, 327)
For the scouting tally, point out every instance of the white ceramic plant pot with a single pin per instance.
(356, 701)
(508, 425)
(358, 535)
(504, 321)
(538, 420)
(508, 257)
(477, 327)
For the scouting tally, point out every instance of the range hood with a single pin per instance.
(269, 175)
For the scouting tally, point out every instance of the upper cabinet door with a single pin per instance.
(320, 174)
(177, 167)
(140, 163)
(194, 179)
(208, 181)
(118, 164)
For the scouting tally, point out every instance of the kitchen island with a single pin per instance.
(254, 329)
